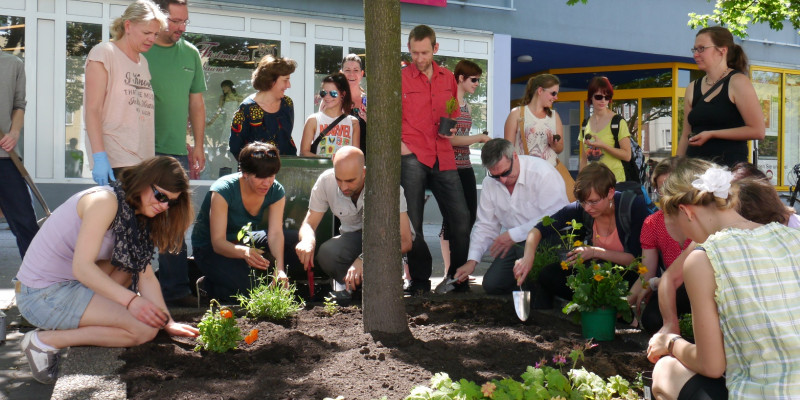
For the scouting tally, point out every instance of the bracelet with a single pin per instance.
(672, 344)
(127, 307)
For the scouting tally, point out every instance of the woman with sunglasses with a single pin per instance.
(719, 122)
(468, 75)
(335, 95)
(743, 284)
(251, 196)
(268, 115)
(86, 279)
(540, 124)
(606, 238)
(596, 140)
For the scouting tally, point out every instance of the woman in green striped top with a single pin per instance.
(743, 282)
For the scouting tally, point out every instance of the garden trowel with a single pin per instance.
(522, 303)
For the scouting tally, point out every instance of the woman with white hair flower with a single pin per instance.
(743, 281)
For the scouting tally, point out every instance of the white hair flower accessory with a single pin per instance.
(715, 180)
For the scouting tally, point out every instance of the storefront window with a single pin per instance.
(12, 41)
(656, 137)
(768, 89)
(81, 37)
(791, 128)
(327, 60)
(228, 63)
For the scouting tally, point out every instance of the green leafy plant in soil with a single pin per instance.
(218, 330)
(273, 301)
(538, 382)
(330, 306)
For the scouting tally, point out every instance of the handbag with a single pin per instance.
(325, 131)
(569, 183)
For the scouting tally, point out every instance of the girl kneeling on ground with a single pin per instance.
(86, 279)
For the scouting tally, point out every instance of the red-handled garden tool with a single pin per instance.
(310, 272)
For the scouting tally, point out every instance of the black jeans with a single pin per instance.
(415, 177)
(15, 201)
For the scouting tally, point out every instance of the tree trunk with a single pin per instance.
(384, 309)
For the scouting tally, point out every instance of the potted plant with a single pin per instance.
(447, 123)
(600, 294)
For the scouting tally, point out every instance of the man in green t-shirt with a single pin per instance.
(178, 84)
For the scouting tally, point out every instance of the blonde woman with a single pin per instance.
(118, 99)
(540, 125)
(743, 284)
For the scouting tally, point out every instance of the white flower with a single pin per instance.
(714, 180)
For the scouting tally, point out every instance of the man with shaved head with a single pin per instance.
(341, 189)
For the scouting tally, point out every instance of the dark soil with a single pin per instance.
(314, 355)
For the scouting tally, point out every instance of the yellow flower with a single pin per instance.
(569, 222)
(599, 277)
(642, 269)
(595, 267)
(488, 389)
(577, 243)
(564, 265)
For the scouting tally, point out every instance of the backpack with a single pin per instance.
(636, 168)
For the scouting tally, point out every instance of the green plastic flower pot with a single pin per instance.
(599, 324)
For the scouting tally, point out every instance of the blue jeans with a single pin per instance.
(173, 269)
(446, 188)
(15, 201)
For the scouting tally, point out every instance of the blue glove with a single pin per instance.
(102, 169)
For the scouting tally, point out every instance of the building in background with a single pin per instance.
(643, 47)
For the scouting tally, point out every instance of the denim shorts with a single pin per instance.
(58, 306)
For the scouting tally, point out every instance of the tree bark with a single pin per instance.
(384, 309)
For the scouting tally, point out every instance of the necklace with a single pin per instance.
(712, 83)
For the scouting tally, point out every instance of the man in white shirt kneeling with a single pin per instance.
(523, 189)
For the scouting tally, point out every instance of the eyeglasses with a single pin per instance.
(599, 97)
(334, 94)
(592, 203)
(701, 49)
(474, 80)
(504, 173)
(184, 22)
(162, 197)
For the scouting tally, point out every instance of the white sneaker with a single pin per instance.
(44, 364)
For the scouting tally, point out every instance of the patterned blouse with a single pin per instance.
(251, 123)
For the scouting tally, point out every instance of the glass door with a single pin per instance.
(768, 89)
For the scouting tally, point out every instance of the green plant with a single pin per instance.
(331, 307)
(272, 301)
(600, 285)
(569, 240)
(451, 106)
(545, 255)
(245, 235)
(685, 324)
(218, 330)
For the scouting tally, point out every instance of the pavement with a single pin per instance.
(90, 372)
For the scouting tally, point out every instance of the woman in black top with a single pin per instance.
(717, 127)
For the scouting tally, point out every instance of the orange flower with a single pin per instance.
(595, 267)
(251, 337)
(488, 389)
(226, 313)
(564, 265)
(642, 269)
(577, 243)
(599, 277)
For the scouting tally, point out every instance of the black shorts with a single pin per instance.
(701, 387)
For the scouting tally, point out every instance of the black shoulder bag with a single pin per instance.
(325, 131)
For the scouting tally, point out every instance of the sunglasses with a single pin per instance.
(162, 197)
(259, 154)
(504, 173)
(599, 97)
(334, 94)
(474, 80)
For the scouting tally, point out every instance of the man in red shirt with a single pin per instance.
(427, 157)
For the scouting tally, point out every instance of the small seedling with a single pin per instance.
(451, 106)
(218, 330)
(272, 301)
(331, 307)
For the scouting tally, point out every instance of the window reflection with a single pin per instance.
(81, 37)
